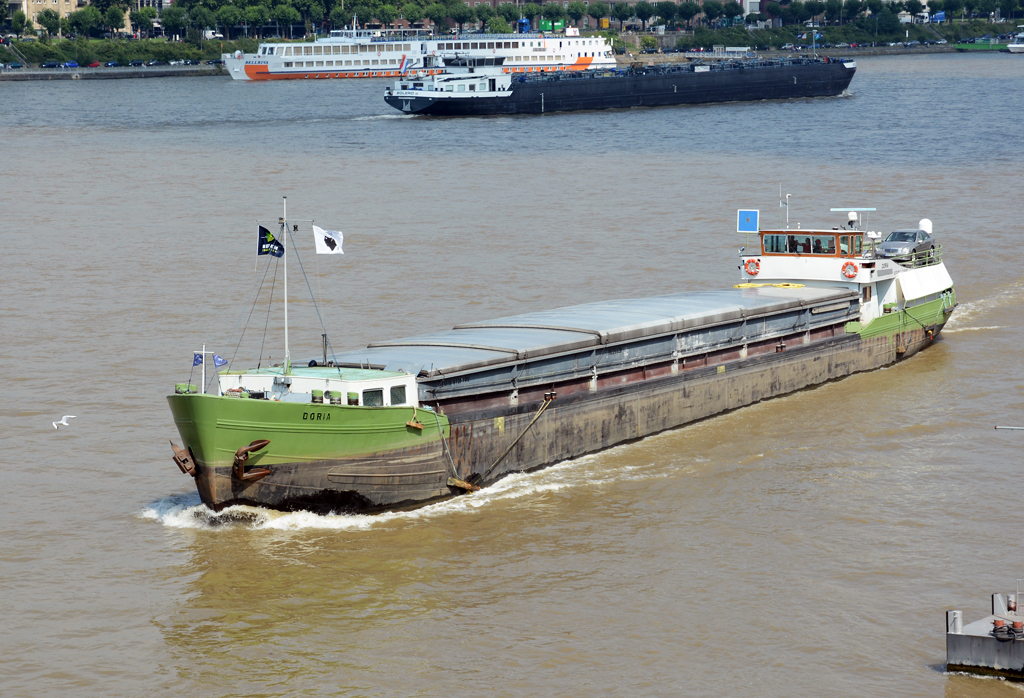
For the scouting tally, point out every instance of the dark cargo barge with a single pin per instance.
(476, 91)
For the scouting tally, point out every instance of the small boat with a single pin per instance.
(476, 90)
(1017, 46)
(408, 421)
(377, 53)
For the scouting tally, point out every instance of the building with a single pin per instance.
(31, 8)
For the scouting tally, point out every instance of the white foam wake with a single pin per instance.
(187, 511)
(968, 310)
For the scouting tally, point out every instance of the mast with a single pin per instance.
(287, 365)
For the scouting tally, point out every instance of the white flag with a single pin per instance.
(328, 241)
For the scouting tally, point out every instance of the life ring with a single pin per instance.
(752, 266)
(849, 270)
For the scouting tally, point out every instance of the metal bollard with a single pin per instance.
(955, 622)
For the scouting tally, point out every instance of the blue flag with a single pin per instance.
(218, 362)
(197, 359)
(268, 244)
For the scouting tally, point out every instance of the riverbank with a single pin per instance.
(176, 71)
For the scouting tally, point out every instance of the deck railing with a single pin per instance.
(925, 258)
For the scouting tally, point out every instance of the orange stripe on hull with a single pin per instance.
(261, 72)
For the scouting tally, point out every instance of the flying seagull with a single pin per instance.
(63, 421)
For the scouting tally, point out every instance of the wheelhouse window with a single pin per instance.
(373, 398)
(857, 242)
(823, 244)
(398, 395)
(774, 244)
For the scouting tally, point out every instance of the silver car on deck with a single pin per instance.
(902, 244)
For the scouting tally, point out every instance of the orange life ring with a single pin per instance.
(752, 266)
(849, 270)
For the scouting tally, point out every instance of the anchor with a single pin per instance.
(242, 455)
(183, 459)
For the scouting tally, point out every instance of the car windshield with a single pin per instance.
(902, 236)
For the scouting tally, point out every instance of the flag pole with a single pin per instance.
(204, 369)
(287, 368)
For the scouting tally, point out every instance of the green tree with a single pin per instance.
(498, 25)
(483, 12)
(815, 7)
(1008, 7)
(531, 10)
(853, 8)
(438, 14)
(643, 11)
(874, 5)
(621, 11)
(688, 10)
(18, 22)
(648, 42)
(985, 7)
(576, 11)
(667, 9)
(598, 10)
(113, 18)
(460, 13)
(65, 25)
(286, 16)
(228, 16)
(934, 6)
(202, 18)
(255, 16)
(953, 9)
(173, 19)
(732, 9)
(888, 22)
(49, 20)
(712, 10)
(411, 12)
(832, 10)
(85, 20)
(913, 6)
(387, 14)
(508, 11)
(553, 11)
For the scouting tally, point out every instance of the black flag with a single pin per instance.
(268, 244)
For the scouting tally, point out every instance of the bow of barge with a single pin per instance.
(407, 421)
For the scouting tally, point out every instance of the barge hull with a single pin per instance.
(643, 90)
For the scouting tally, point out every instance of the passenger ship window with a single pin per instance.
(774, 244)
(398, 395)
(373, 398)
(857, 239)
(800, 244)
(844, 244)
(288, 51)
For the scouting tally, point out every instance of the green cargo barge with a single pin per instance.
(405, 422)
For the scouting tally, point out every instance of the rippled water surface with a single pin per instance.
(806, 545)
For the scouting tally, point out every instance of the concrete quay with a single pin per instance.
(175, 71)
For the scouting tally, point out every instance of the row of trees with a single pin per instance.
(841, 12)
(242, 15)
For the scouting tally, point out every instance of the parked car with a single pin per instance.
(787, 47)
(94, 64)
(940, 42)
(842, 44)
(69, 64)
(902, 243)
(215, 61)
(156, 61)
(49, 64)
(112, 64)
(136, 63)
(192, 61)
(913, 43)
(15, 65)
(177, 62)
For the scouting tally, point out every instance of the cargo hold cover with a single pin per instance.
(531, 335)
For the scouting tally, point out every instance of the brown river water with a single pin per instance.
(803, 546)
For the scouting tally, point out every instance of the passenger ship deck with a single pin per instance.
(363, 53)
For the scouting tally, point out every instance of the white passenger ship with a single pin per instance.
(365, 53)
